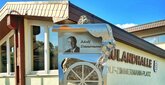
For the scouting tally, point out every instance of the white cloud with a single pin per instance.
(126, 25)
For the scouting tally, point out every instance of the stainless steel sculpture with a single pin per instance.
(87, 65)
(83, 20)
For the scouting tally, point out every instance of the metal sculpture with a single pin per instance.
(84, 68)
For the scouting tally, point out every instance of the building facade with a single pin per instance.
(153, 32)
(29, 48)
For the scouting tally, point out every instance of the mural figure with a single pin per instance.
(73, 44)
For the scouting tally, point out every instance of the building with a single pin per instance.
(28, 47)
(153, 32)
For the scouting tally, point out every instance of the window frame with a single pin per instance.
(12, 73)
(45, 25)
(32, 49)
(5, 73)
(7, 40)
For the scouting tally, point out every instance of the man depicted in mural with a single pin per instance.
(73, 42)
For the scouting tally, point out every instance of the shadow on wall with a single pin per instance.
(7, 81)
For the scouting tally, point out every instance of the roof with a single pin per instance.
(58, 10)
(118, 33)
(66, 10)
(146, 26)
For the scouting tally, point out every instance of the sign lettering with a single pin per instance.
(130, 58)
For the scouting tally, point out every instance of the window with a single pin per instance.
(152, 39)
(43, 49)
(7, 54)
(53, 49)
(11, 41)
(162, 38)
(155, 39)
(38, 48)
(3, 58)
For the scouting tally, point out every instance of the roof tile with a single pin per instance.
(54, 9)
(146, 26)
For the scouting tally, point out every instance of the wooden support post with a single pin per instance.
(17, 23)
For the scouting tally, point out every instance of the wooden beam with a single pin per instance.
(12, 22)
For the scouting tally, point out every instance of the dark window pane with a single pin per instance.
(3, 58)
(38, 48)
(53, 46)
(12, 54)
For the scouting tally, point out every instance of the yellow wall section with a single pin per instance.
(49, 81)
(157, 78)
(7, 81)
(34, 81)
(2, 81)
(42, 80)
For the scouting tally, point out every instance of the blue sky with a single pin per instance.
(121, 12)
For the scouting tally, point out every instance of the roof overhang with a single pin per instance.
(3, 28)
(148, 26)
(56, 10)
